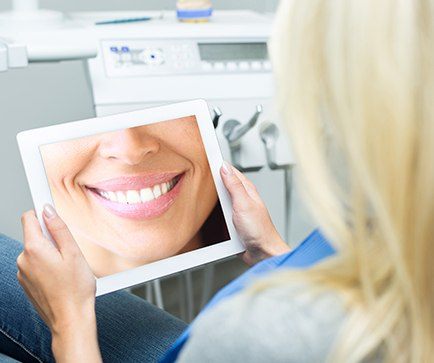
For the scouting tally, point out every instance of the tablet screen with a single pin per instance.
(137, 195)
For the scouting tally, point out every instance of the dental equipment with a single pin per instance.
(47, 35)
(3, 57)
(269, 133)
(12, 55)
(224, 62)
(233, 131)
(26, 15)
(217, 115)
(16, 53)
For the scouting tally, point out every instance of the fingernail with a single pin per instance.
(227, 168)
(49, 211)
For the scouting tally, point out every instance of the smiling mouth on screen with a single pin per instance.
(138, 197)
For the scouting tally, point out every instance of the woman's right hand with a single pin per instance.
(251, 218)
(61, 286)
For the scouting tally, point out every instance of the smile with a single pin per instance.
(139, 197)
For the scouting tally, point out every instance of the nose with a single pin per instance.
(128, 146)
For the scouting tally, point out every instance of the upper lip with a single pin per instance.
(135, 182)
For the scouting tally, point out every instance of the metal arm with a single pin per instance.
(233, 131)
(217, 115)
(269, 134)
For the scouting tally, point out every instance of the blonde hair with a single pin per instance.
(355, 85)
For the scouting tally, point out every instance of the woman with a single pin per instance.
(355, 85)
(121, 193)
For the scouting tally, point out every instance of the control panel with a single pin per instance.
(142, 57)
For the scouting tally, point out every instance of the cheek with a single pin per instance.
(65, 160)
(62, 171)
(192, 149)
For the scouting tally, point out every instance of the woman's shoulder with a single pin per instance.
(291, 323)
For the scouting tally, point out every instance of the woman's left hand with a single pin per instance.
(251, 218)
(61, 286)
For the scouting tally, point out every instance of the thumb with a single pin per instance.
(234, 185)
(59, 231)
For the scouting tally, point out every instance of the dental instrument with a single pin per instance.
(123, 21)
(269, 133)
(233, 131)
(217, 115)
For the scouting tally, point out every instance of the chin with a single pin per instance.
(145, 254)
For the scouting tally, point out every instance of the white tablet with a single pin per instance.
(140, 191)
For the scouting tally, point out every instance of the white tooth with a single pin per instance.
(133, 197)
(170, 184)
(146, 195)
(156, 190)
(121, 197)
(112, 196)
(164, 188)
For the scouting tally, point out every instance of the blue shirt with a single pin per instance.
(313, 249)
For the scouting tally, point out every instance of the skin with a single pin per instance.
(121, 243)
(61, 285)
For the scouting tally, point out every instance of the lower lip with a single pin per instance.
(139, 211)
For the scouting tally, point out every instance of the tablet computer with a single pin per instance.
(141, 191)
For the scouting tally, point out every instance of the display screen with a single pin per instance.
(232, 51)
(138, 195)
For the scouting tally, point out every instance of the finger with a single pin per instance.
(59, 231)
(20, 261)
(248, 185)
(234, 185)
(31, 228)
(23, 282)
(19, 276)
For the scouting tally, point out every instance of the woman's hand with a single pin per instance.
(251, 218)
(61, 286)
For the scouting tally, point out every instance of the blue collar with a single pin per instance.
(312, 250)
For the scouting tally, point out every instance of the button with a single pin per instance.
(219, 66)
(256, 65)
(125, 49)
(244, 66)
(206, 66)
(151, 56)
(266, 65)
(231, 66)
(114, 49)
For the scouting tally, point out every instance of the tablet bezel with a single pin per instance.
(30, 141)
